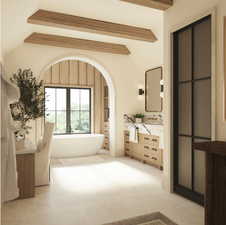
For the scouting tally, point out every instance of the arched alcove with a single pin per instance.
(111, 90)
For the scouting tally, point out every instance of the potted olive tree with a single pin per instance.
(30, 105)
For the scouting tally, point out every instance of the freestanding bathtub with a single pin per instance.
(76, 145)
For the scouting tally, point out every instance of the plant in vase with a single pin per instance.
(139, 117)
(30, 105)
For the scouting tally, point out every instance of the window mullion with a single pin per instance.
(68, 111)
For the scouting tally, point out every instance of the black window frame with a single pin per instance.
(68, 108)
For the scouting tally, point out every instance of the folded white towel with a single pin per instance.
(133, 134)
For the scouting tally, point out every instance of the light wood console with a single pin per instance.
(147, 150)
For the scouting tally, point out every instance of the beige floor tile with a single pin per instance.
(98, 190)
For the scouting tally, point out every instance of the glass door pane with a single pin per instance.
(185, 55)
(80, 100)
(185, 162)
(185, 110)
(199, 170)
(202, 49)
(202, 108)
(55, 108)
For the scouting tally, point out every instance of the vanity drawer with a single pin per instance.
(126, 135)
(128, 152)
(106, 138)
(106, 131)
(150, 148)
(129, 149)
(149, 140)
(155, 154)
(153, 159)
(106, 125)
(106, 143)
(126, 142)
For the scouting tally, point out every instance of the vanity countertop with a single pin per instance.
(155, 129)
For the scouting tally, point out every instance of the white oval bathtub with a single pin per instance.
(76, 145)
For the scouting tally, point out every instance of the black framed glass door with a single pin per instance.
(192, 106)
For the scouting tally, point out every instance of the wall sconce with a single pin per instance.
(162, 88)
(141, 91)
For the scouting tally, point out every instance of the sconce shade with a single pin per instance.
(141, 91)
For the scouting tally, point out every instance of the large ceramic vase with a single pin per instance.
(20, 144)
(139, 120)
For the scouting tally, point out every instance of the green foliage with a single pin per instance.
(139, 115)
(32, 98)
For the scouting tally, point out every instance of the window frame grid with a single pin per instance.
(68, 108)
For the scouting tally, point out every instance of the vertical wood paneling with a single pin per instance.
(102, 103)
(48, 76)
(97, 101)
(73, 69)
(64, 72)
(90, 75)
(56, 73)
(82, 73)
(75, 73)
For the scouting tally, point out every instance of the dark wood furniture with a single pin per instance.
(215, 200)
(26, 175)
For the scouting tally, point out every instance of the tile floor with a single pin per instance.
(97, 190)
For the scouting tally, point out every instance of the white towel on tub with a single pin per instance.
(133, 134)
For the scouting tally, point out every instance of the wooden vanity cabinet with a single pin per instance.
(147, 150)
(106, 136)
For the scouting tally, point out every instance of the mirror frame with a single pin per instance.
(146, 83)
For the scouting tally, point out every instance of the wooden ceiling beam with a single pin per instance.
(156, 4)
(60, 20)
(68, 42)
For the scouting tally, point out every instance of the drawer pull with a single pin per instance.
(146, 138)
(154, 149)
(127, 149)
(146, 156)
(127, 142)
(154, 158)
(146, 147)
(154, 140)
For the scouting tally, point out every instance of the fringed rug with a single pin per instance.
(149, 219)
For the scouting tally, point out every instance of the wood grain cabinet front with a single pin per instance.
(26, 175)
(146, 150)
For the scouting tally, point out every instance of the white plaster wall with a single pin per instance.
(127, 72)
(1, 59)
(182, 12)
(0, 98)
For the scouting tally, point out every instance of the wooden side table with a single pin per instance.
(26, 173)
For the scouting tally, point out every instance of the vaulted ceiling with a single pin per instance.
(16, 13)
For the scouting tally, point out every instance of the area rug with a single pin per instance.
(156, 218)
